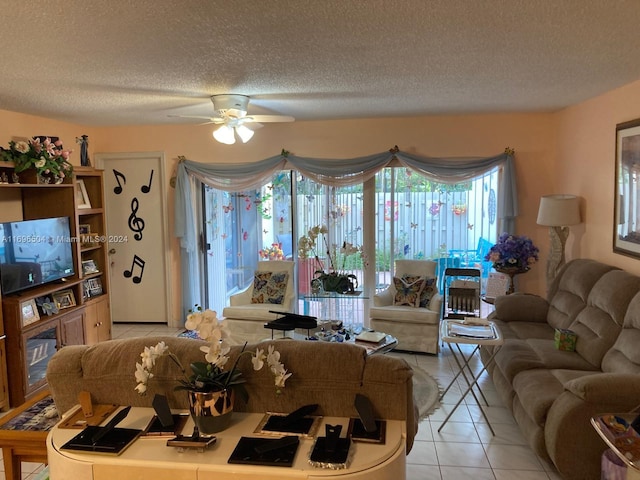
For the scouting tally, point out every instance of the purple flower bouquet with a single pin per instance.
(513, 252)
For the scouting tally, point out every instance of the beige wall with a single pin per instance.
(571, 151)
(585, 167)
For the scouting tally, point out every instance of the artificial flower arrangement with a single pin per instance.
(309, 245)
(274, 252)
(513, 251)
(335, 279)
(210, 375)
(46, 156)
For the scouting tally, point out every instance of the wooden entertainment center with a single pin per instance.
(29, 335)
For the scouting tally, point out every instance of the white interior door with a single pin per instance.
(137, 236)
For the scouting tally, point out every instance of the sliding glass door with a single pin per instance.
(409, 217)
(238, 230)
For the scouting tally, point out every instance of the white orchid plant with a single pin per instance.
(210, 375)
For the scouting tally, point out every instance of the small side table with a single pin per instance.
(22, 445)
(615, 430)
(451, 339)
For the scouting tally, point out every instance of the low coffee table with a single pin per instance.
(22, 444)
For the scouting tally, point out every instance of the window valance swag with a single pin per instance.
(336, 172)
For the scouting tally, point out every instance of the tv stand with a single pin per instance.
(33, 331)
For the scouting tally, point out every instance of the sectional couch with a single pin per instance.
(327, 374)
(552, 393)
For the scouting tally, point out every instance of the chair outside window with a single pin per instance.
(416, 328)
(461, 293)
(248, 312)
(475, 259)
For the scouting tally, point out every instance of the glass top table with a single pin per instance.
(332, 306)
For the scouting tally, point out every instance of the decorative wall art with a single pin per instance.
(626, 218)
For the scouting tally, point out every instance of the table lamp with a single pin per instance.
(558, 212)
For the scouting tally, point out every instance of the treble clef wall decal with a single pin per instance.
(136, 224)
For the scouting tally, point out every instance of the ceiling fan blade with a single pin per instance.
(268, 118)
(201, 117)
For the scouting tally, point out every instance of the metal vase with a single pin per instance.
(211, 411)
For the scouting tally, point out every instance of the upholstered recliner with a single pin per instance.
(250, 309)
(415, 327)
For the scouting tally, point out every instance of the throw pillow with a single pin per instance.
(428, 289)
(408, 290)
(269, 287)
(427, 293)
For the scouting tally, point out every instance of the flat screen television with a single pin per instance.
(34, 252)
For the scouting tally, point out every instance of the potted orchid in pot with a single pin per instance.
(210, 386)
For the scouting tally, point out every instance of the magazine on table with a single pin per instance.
(471, 331)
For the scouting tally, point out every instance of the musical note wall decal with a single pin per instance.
(136, 263)
(136, 224)
(147, 188)
(118, 190)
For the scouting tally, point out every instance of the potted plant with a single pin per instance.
(43, 156)
(210, 386)
(330, 279)
(512, 254)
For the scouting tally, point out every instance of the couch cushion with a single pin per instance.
(624, 355)
(253, 312)
(551, 357)
(570, 289)
(597, 326)
(536, 391)
(515, 356)
(405, 314)
(528, 330)
(269, 287)
(518, 355)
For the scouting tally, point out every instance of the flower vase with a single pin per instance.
(211, 411)
(32, 177)
(512, 272)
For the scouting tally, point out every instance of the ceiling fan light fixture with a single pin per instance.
(244, 133)
(224, 134)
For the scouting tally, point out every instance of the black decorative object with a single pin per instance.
(84, 150)
(47, 306)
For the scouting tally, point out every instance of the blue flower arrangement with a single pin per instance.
(513, 251)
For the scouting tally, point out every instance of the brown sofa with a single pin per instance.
(328, 374)
(553, 394)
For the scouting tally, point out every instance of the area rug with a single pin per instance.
(426, 392)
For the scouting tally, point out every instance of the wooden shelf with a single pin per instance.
(29, 345)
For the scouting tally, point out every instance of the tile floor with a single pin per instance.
(464, 449)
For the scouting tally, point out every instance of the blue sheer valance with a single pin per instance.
(340, 172)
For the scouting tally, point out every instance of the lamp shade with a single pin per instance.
(244, 133)
(559, 210)
(224, 134)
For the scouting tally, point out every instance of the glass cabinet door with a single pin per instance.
(39, 346)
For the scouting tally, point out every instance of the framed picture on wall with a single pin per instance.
(626, 227)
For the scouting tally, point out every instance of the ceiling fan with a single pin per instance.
(232, 115)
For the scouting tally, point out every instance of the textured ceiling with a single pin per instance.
(128, 62)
